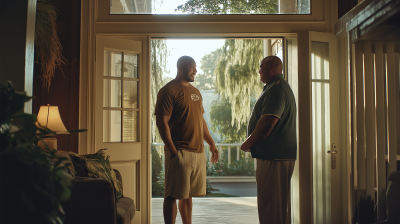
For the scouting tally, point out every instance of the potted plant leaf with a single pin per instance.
(33, 184)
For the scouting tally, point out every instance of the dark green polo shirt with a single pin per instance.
(277, 99)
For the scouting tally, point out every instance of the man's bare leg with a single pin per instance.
(185, 208)
(170, 210)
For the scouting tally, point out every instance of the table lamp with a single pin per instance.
(49, 117)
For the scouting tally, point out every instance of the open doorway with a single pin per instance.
(228, 80)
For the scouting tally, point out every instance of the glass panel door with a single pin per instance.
(320, 130)
(119, 83)
(320, 149)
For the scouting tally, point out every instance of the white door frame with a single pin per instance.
(339, 215)
(96, 21)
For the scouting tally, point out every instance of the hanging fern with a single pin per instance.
(47, 44)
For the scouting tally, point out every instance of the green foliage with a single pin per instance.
(229, 7)
(208, 62)
(219, 195)
(159, 55)
(33, 182)
(157, 174)
(206, 80)
(303, 6)
(203, 82)
(236, 168)
(234, 67)
(11, 103)
(221, 122)
(237, 76)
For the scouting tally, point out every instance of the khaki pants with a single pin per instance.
(273, 190)
(185, 175)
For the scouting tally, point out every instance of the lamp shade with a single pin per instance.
(49, 117)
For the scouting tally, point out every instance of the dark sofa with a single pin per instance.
(93, 201)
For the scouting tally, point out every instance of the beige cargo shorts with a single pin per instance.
(185, 175)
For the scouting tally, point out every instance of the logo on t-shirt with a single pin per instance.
(195, 97)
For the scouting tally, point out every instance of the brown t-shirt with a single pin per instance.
(185, 106)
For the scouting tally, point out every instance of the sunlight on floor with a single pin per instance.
(214, 210)
(239, 201)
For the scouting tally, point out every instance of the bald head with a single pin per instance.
(273, 62)
(186, 69)
(184, 61)
(270, 67)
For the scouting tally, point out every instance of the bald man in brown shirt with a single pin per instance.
(179, 117)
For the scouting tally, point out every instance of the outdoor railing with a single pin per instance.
(223, 148)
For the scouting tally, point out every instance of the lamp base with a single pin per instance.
(50, 141)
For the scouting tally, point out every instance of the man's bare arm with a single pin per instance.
(165, 133)
(263, 128)
(207, 137)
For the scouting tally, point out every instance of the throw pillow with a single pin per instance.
(98, 166)
(79, 163)
(66, 162)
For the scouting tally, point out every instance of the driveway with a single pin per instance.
(237, 189)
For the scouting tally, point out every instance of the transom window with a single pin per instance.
(210, 7)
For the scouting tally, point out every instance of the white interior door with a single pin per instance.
(121, 113)
(324, 122)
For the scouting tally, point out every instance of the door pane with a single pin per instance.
(112, 93)
(320, 60)
(321, 131)
(112, 63)
(130, 126)
(111, 125)
(130, 94)
(216, 7)
(120, 92)
(130, 66)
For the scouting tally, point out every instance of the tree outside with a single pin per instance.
(159, 56)
(234, 68)
(206, 80)
(218, 7)
(230, 7)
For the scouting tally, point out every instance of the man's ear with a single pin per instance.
(272, 68)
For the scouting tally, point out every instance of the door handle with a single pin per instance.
(333, 153)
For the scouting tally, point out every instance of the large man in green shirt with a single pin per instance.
(272, 140)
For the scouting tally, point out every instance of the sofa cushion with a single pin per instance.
(98, 166)
(125, 210)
